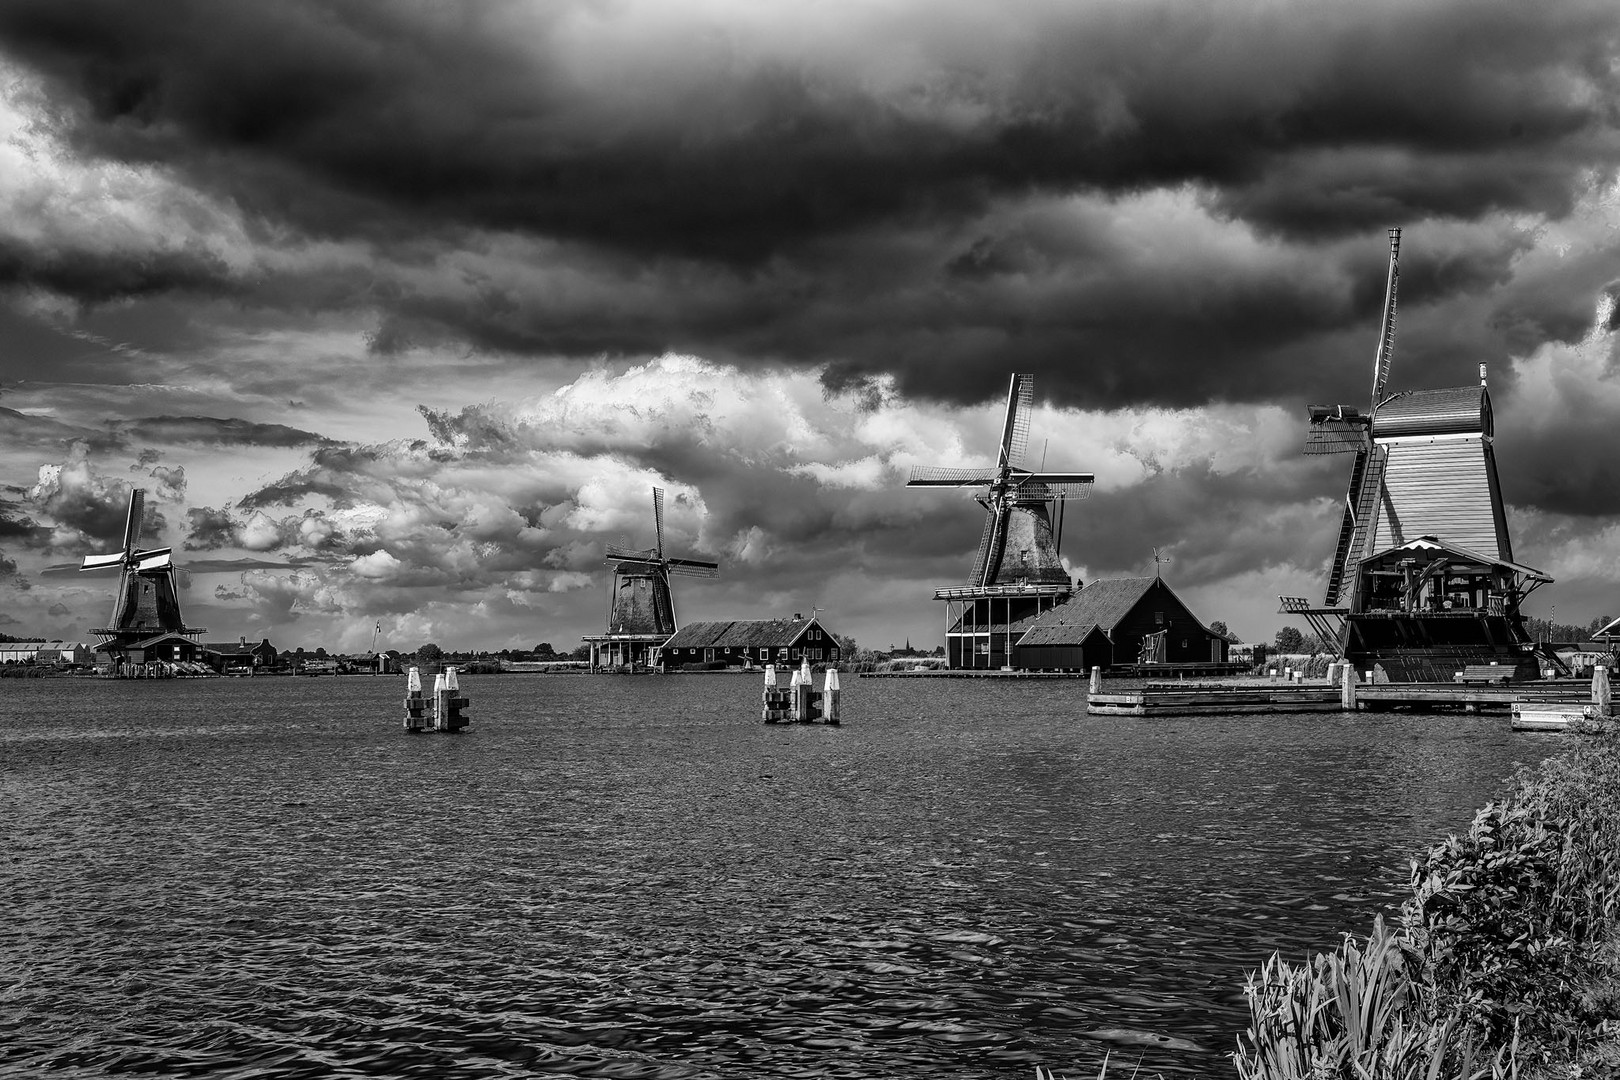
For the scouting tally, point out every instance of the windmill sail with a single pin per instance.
(1345, 429)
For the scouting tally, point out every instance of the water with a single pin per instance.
(634, 877)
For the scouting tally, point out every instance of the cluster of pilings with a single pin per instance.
(449, 704)
(798, 703)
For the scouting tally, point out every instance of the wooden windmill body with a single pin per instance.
(1422, 581)
(641, 606)
(146, 623)
(1017, 572)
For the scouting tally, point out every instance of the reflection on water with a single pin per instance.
(634, 877)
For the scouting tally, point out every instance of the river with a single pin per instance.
(634, 877)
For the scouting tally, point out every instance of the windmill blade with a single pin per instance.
(934, 476)
(637, 565)
(1048, 492)
(1055, 478)
(156, 559)
(132, 524)
(96, 562)
(626, 554)
(1386, 332)
(1335, 430)
(1015, 429)
(693, 568)
(658, 518)
(985, 540)
(998, 545)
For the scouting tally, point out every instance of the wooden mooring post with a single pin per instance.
(798, 702)
(1347, 687)
(1095, 686)
(449, 706)
(1600, 691)
(415, 704)
(449, 703)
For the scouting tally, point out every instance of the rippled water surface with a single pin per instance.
(634, 877)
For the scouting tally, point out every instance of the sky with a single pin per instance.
(399, 311)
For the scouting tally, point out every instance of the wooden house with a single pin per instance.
(238, 657)
(740, 642)
(1105, 624)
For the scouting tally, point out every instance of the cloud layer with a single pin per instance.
(401, 309)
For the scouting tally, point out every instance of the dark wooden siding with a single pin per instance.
(1187, 642)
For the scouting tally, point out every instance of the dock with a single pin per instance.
(1544, 701)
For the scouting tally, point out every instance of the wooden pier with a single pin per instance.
(1551, 696)
(971, 673)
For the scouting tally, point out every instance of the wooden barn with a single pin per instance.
(238, 657)
(1105, 623)
(740, 642)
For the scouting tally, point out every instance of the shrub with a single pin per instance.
(1505, 952)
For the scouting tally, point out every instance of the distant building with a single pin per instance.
(751, 641)
(171, 648)
(31, 652)
(1105, 624)
(238, 657)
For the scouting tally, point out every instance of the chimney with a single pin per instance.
(797, 616)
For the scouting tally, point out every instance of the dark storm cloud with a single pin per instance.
(212, 430)
(208, 529)
(733, 144)
(15, 525)
(875, 193)
(98, 275)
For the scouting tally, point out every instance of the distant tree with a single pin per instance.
(429, 653)
(320, 653)
(846, 643)
(1290, 640)
(544, 651)
(1220, 628)
(581, 653)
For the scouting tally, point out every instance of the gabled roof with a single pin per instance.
(1100, 605)
(1435, 544)
(742, 633)
(148, 642)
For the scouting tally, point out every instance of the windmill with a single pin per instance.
(147, 603)
(1018, 543)
(1423, 579)
(1340, 429)
(642, 606)
(1016, 571)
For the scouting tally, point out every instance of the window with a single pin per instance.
(1158, 618)
(781, 653)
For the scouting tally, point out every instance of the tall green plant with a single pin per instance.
(1358, 1012)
